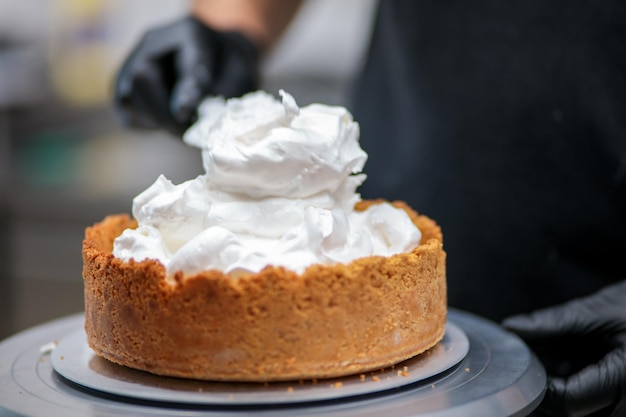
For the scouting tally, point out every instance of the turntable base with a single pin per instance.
(495, 374)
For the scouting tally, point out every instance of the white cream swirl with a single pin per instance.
(279, 189)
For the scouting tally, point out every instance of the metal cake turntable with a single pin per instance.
(477, 369)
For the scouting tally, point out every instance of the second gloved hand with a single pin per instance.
(583, 346)
(172, 68)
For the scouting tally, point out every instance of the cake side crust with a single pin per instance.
(274, 325)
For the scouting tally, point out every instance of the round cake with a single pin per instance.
(269, 266)
(329, 321)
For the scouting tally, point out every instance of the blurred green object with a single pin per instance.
(49, 159)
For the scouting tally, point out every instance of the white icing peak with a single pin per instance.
(279, 189)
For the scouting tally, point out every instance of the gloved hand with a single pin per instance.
(582, 344)
(172, 68)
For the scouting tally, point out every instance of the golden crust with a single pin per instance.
(328, 321)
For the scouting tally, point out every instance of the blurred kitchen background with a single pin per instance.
(64, 161)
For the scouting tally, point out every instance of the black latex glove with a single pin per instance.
(172, 68)
(582, 344)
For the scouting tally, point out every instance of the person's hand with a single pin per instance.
(582, 344)
(174, 67)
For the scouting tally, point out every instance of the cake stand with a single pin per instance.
(478, 369)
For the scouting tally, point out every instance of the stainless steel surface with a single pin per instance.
(498, 377)
(75, 361)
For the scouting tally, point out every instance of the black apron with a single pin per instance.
(505, 121)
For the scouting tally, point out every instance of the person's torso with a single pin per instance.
(505, 121)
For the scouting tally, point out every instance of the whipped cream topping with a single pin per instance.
(279, 189)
